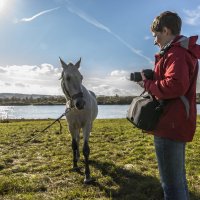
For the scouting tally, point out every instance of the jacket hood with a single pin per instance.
(188, 43)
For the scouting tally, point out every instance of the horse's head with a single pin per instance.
(71, 83)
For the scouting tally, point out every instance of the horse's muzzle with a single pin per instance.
(80, 103)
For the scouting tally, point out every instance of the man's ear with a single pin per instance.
(166, 30)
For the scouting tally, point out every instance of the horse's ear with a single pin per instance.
(64, 65)
(78, 63)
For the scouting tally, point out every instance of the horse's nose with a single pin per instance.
(80, 103)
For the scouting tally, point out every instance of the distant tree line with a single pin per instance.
(60, 100)
(51, 100)
(114, 100)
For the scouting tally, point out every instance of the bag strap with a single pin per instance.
(183, 98)
(143, 92)
(186, 104)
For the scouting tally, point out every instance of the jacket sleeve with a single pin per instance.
(176, 78)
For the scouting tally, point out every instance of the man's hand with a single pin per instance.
(141, 83)
(143, 76)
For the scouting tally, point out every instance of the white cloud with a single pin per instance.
(36, 15)
(112, 91)
(42, 79)
(192, 16)
(120, 74)
(7, 84)
(21, 85)
(117, 73)
(2, 70)
(115, 83)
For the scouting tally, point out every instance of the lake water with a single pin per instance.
(54, 111)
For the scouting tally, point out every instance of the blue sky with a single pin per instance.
(112, 37)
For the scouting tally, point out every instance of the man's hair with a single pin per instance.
(169, 20)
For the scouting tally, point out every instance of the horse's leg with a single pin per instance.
(75, 147)
(86, 152)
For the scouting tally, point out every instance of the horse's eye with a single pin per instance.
(68, 78)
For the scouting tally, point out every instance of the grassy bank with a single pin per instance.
(122, 162)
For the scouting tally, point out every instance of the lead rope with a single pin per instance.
(36, 131)
(57, 120)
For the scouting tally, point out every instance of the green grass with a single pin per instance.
(121, 160)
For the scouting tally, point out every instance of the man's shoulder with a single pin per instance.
(176, 51)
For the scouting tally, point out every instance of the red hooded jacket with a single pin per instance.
(176, 75)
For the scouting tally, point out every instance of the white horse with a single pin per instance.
(83, 111)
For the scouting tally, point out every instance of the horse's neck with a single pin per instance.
(86, 92)
(83, 88)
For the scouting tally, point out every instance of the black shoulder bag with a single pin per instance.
(145, 111)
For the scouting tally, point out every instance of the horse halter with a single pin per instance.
(68, 96)
(73, 97)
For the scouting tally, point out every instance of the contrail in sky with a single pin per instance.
(37, 15)
(99, 25)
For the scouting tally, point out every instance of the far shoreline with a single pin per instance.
(18, 104)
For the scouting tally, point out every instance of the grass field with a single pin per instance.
(122, 161)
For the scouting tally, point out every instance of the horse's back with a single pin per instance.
(92, 93)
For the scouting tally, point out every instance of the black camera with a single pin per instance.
(136, 76)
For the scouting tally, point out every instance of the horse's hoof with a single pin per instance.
(76, 169)
(89, 181)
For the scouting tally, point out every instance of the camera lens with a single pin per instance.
(136, 76)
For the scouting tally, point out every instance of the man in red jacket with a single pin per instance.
(175, 76)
